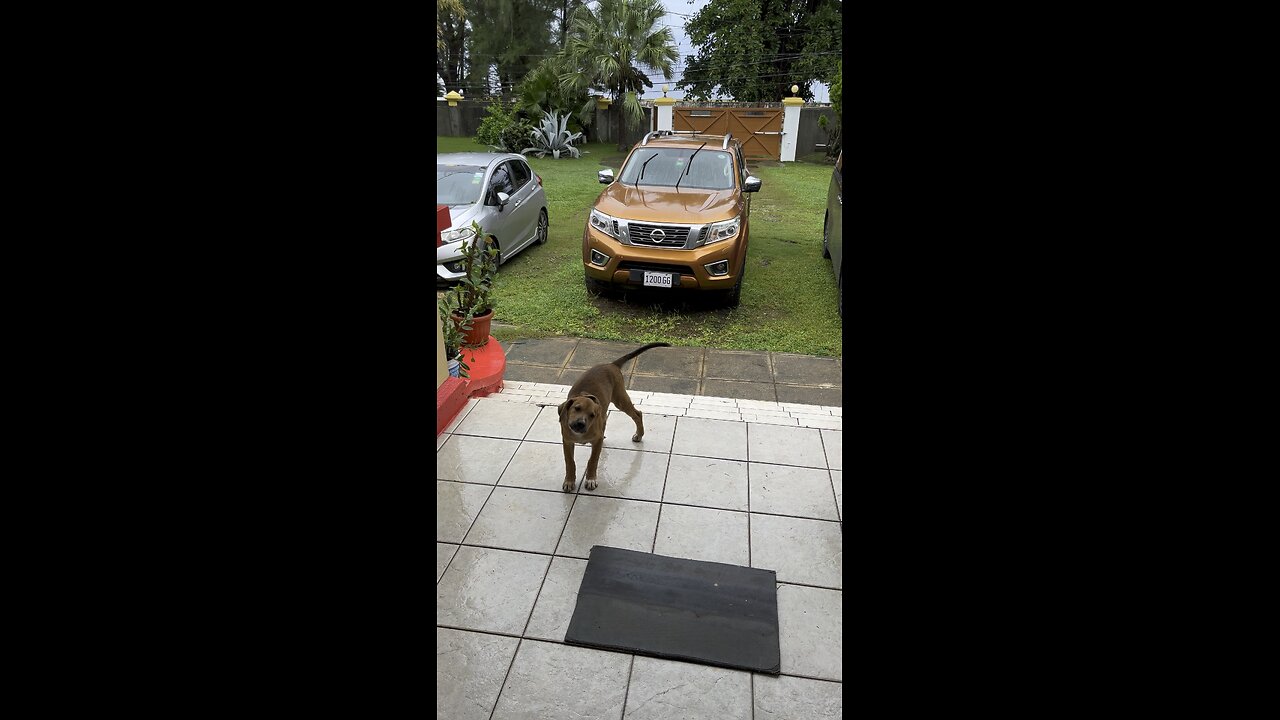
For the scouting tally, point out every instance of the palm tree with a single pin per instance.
(608, 44)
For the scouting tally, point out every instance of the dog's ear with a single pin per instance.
(594, 399)
(563, 406)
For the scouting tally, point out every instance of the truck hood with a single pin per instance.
(665, 204)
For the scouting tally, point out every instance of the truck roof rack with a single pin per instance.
(665, 133)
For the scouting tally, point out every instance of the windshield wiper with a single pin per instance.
(642, 166)
(690, 166)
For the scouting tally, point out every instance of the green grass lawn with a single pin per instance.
(788, 295)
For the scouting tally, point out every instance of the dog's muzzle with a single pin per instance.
(578, 428)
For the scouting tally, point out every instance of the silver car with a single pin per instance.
(498, 190)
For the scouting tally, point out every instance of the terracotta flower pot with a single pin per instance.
(478, 335)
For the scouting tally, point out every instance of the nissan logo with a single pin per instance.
(657, 235)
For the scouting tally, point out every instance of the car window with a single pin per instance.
(742, 165)
(459, 184)
(519, 173)
(501, 180)
(709, 169)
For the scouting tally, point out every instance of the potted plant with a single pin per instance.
(453, 339)
(471, 300)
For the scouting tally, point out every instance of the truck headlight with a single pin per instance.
(604, 223)
(722, 230)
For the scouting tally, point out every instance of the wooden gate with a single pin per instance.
(758, 129)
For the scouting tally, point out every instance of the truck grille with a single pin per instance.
(658, 267)
(670, 235)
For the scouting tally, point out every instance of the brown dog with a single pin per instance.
(583, 415)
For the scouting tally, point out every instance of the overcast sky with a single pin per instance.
(678, 13)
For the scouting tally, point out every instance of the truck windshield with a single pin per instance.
(459, 184)
(710, 169)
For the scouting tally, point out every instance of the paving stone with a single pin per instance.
(770, 419)
(706, 482)
(665, 689)
(809, 395)
(789, 490)
(683, 385)
(769, 405)
(530, 373)
(489, 590)
(728, 365)
(462, 414)
(457, 505)
(631, 474)
(713, 400)
(778, 445)
(594, 352)
(833, 446)
(508, 390)
(626, 524)
(800, 550)
(821, 423)
(540, 466)
(444, 553)
(810, 625)
(520, 519)
(541, 351)
(805, 370)
(712, 414)
(837, 480)
(550, 680)
(570, 376)
(743, 390)
(680, 362)
(659, 430)
(474, 459)
(546, 427)
(556, 602)
(470, 668)
(710, 438)
(699, 533)
(793, 698)
(492, 418)
(441, 439)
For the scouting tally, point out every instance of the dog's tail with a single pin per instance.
(634, 353)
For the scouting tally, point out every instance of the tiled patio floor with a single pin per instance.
(752, 483)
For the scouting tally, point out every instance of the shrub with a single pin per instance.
(554, 137)
(496, 119)
(513, 137)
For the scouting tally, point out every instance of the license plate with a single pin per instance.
(657, 279)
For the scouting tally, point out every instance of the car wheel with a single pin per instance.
(735, 295)
(595, 286)
(826, 236)
(542, 227)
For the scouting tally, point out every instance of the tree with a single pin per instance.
(755, 50)
(606, 48)
(451, 36)
(509, 37)
(567, 8)
(541, 92)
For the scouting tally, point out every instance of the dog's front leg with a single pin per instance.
(591, 464)
(570, 470)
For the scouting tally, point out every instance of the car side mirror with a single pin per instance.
(606, 177)
(502, 199)
(752, 184)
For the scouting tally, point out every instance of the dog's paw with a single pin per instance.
(568, 485)
(590, 484)
(636, 438)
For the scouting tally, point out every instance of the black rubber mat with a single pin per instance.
(667, 607)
